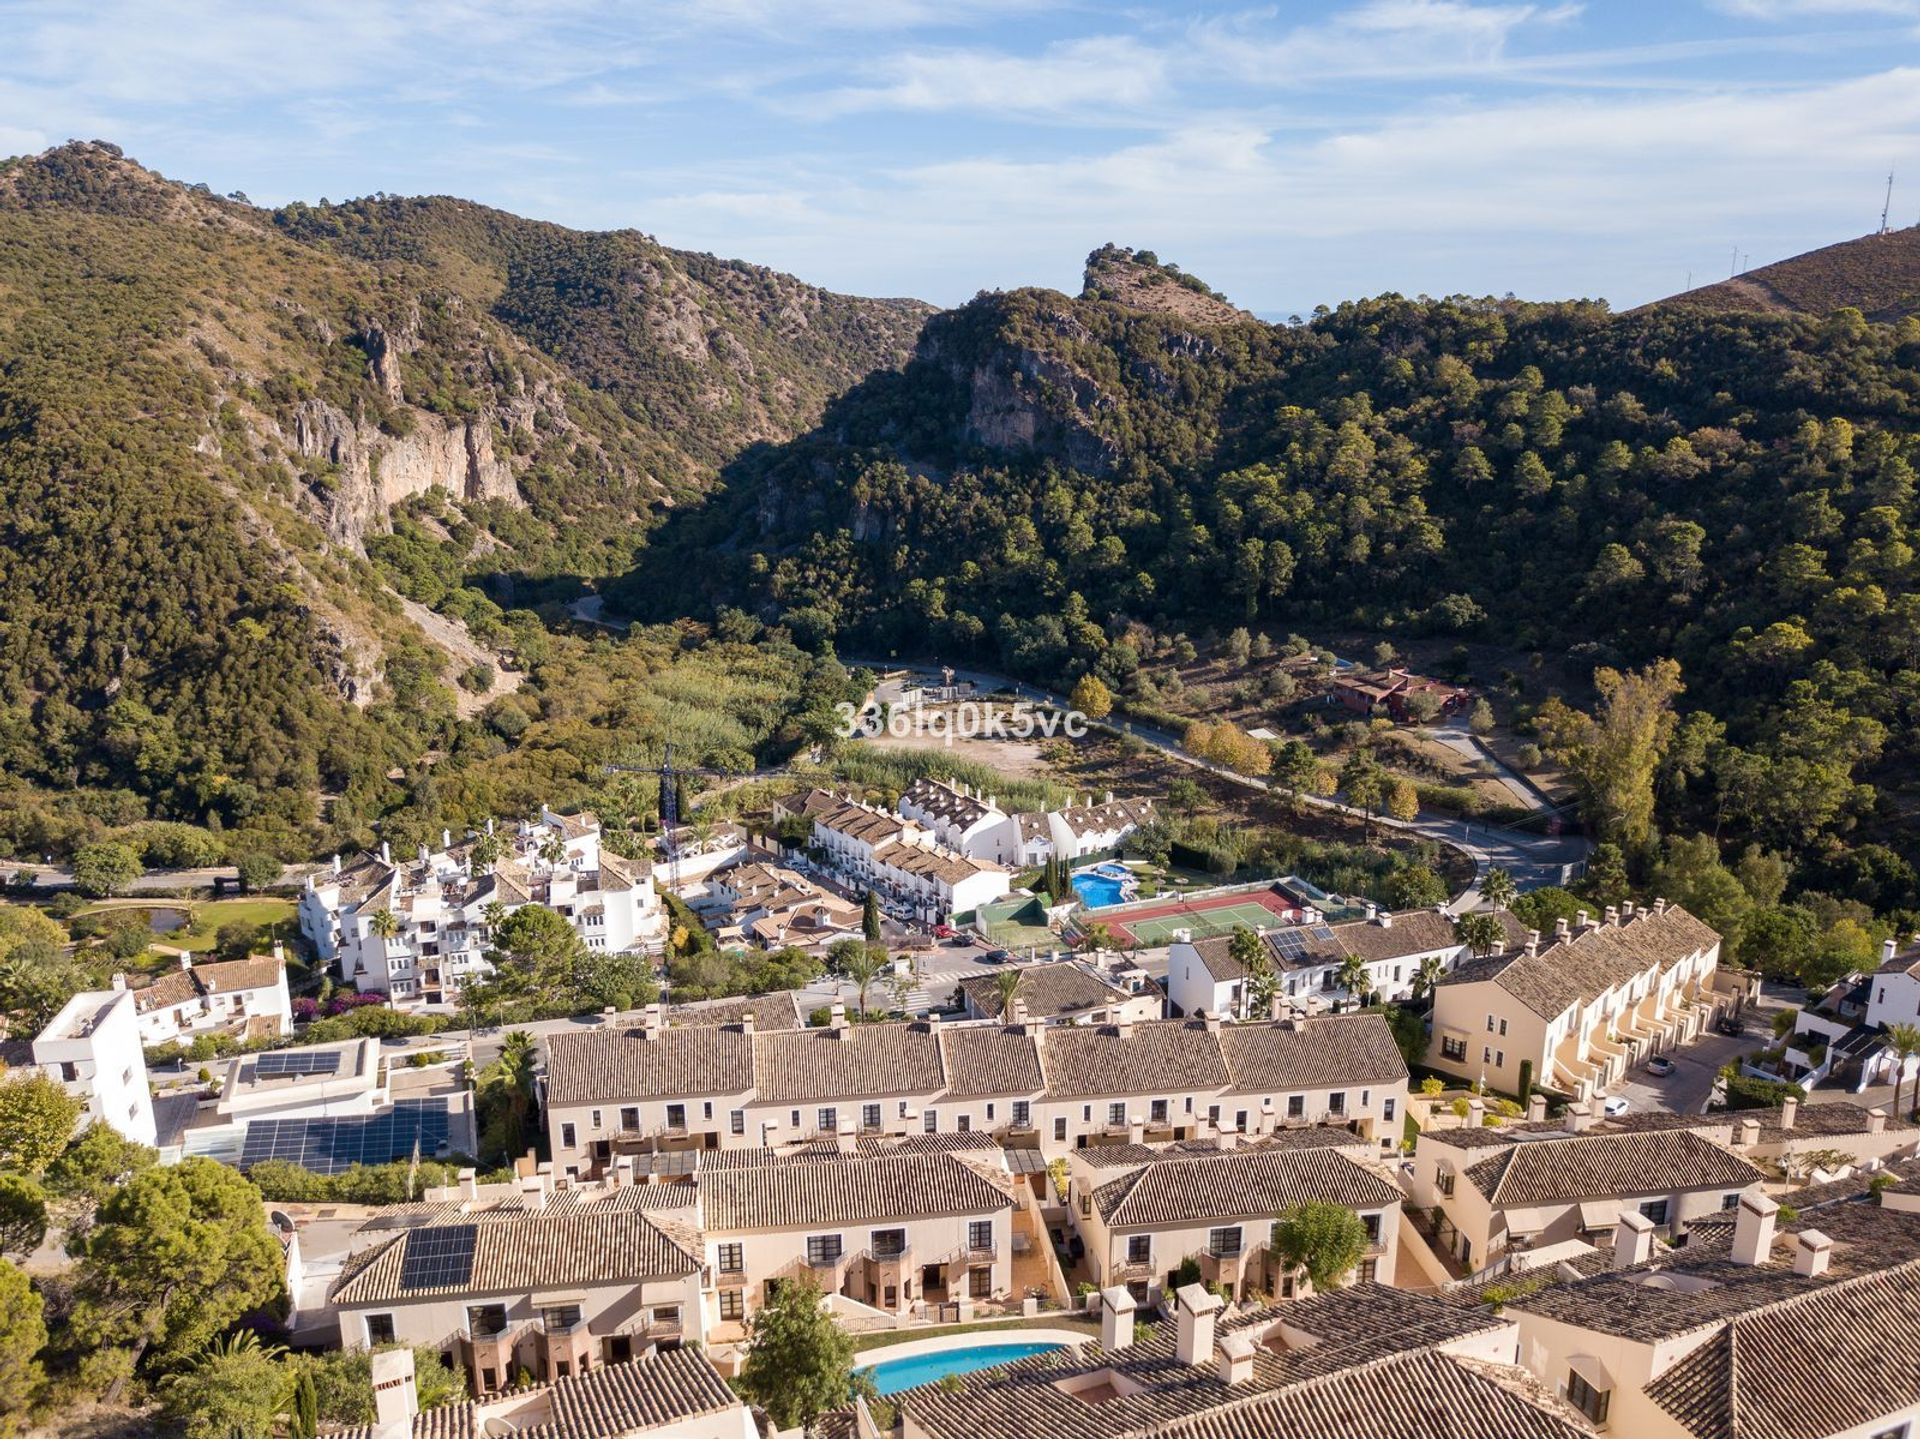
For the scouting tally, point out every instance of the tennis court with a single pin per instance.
(1153, 924)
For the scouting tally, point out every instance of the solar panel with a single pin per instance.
(1287, 943)
(294, 1061)
(439, 1258)
(333, 1145)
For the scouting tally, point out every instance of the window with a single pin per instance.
(1240, 1120)
(1499, 1059)
(630, 1119)
(989, 1111)
(1337, 1102)
(966, 1124)
(1368, 1268)
(980, 1283)
(1899, 1431)
(1486, 1054)
(930, 1121)
(1296, 1106)
(1656, 1210)
(676, 1116)
(1445, 1181)
(793, 1120)
(1157, 1110)
(666, 1316)
(1386, 1109)
(1022, 1114)
(379, 1329)
(1139, 1249)
(593, 1120)
(1453, 1048)
(1117, 1112)
(1060, 1129)
(1503, 1027)
(1730, 1201)
(1371, 1223)
(733, 1304)
(737, 1121)
(889, 1243)
(1213, 1115)
(1086, 1114)
(706, 1110)
(869, 1116)
(980, 1236)
(1224, 1243)
(1588, 1400)
(829, 1120)
(1489, 1024)
(566, 1136)
(824, 1248)
(560, 1318)
(487, 1320)
(733, 1258)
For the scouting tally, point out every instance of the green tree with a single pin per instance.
(104, 869)
(1479, 932)
(1615, 752)
(1606, 878)
(236, 1385)
(861, 965)
(1498, 889)
(1328, 1241)
(36, 1121)
(1903, 1043)
(1006, 985)
(535, 950)
(1365, 783)
(174, 1258)
(1480, 718)
(257, 870)
(95, 1165)
(1249, 951)
(1091, 697)
(1427, 975)
(870, 917)
(23, 1215)
(1185, 797)
(505, 1097)
(1355, 978)
(798, 1359)
(23, 1334)
(1403, 801)
(384, 925)
(303, 1419)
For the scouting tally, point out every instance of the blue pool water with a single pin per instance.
(1096, 891)
(898, 1374)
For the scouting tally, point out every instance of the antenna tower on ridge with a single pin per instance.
(1888, 206)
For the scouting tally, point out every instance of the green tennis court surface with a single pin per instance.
(1202, 923)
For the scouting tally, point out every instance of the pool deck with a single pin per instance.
(974, 1339)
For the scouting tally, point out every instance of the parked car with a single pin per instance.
(1619, 1104)
(1659, 1064)
(1729, 1026)
(996, 956)
(944, 931)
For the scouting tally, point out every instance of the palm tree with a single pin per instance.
(384, 925)
(1428, 975)
(1006, 984)
(553, 849)
(861, 966)
(1479, 932)
(1903, 1040)
(1355, 978)
(1498, 889)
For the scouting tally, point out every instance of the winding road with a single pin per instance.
(1532, 860)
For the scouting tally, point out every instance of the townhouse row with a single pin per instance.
(1053, 1087)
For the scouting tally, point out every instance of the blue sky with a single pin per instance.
(1292, 154)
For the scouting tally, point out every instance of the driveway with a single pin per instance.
(1695, 1066)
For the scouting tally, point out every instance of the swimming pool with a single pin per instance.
(1097, 891)
(894, 1375)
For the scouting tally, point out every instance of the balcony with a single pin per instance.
(664, 1331)
(1222, 1268)
(1131, 1271)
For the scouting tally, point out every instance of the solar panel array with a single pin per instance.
(1287, 943)
(335, 1144)
(297, 1061)
(440, 1257)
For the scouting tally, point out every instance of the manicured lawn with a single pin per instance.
(864, 1342)
(209, 914)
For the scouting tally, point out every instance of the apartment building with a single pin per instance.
(1843, 1039)
(1067, 992)
(245, 998)
(94, 1049)
(417, 930)
(1801, 1329)
(615, 1090)
(1363, 1361)
(885, 1226)
(904, 861)
(1143, 1211)
(1308, 960)
(1499, 1193)
(558, 1292)
(772, 906)
(973, 824)
(1578, 1011)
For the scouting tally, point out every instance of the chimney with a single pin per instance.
(119, 982)
(1580, 1117)
(1560, 930)
(1533, 943)
(1889, 948)
(1789, 1111)
(1612, 916)
(386, 852)
(1747, 1134)
(1373, 910)
(1536, 1108)
(1236, 1359)
(1876, 1120)
(1211, 1020)
(1659, 905)
(336, 864)
(1384, 919)
(837, 1017)
(1226, 1140)
(1109, 798)
(1116, 1318)
(446, 839)
(1197, 1310)
(746, 1024)
(1632, 1239)
(186, 962)
(1136, 1130)
(623, 1172)
(1753, 1229)
(1626, 911)
(279, 952)
(1476, 1113)
(1812, 1252)
(423, 854)
(1124, 1029)
(1017, 1012)
(845, 1141)
(1580, 919)
(395, 1401)
(652, 1022)
(1499, 945)
(607, 1015)
(469, 1185)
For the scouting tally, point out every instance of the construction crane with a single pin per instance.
(670, 776)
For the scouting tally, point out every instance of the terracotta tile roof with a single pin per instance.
(1597, 959)
(844, 1190)
(1365, 1349)
(1414, 932)
(1323, 1053)
(1163, 1056)
(1311, 1136)
(1602, 1166)
(182, 986)
(1239, 1185)
(531, 1253)
(801, 1066)
(1048, 991)
(613, 1065)
(1823, 1363)
(990, 1059)
(779, 1010)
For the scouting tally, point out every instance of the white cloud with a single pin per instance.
(1377, 39)
(1099, 74)
(1776, 10)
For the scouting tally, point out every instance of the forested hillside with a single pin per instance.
(1056, 485)
(233, 441)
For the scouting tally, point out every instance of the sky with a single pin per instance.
(1291, 154)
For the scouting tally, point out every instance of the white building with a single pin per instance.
(93, 1048)
(246, 998)
(904, 862)
(973, 824)
(439, 904)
